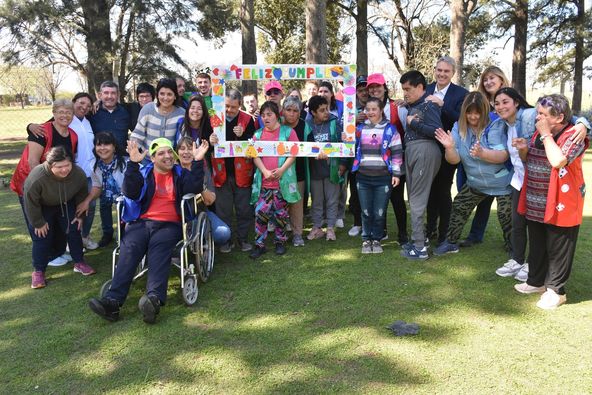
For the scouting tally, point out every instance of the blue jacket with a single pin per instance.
(139, 186)
(450, 111)
(116, 122)
(428, 120)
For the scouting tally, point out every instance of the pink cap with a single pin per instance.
(273, 85)
(375, 78)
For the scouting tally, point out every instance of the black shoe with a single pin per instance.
(105, 240)
(257, 252)
(149, 305)
(280, 248)
(106, 308)
(468, 243)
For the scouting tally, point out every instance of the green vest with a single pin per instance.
(333, 162)
(288, 181)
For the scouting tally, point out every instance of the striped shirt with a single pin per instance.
(152, 125)
(371, 162)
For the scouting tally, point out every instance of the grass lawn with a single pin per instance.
(312, 321)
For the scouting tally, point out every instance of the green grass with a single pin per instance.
(312, 321)
(14, 120)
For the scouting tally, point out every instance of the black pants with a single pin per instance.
(551, 254)
(400, 208)
(440, 202)
(354, 200)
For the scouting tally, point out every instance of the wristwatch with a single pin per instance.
(542, 138)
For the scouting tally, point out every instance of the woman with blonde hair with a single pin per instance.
(492, 79)
(482, 155)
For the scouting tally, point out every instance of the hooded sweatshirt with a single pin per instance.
(42, 188)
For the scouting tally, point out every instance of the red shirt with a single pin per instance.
(162, 207)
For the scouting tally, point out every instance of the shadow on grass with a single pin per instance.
(310, 321)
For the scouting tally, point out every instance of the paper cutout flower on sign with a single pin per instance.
(215, 121)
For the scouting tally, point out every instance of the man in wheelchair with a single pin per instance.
(152, 203)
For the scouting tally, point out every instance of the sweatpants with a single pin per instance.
(462, 207)
(422, 161)
(519, 234)
(156, 240)
(440, 201)
(324, 194)
(228, 197)
(296, 211)
(549, 264)
(271, 205)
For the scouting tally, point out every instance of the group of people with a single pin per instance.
(527, 159)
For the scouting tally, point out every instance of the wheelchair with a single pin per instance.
(193, 255)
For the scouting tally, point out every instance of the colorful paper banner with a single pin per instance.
(253, 149)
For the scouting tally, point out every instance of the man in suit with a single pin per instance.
(449, 97)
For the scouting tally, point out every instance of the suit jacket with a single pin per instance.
(453, 100)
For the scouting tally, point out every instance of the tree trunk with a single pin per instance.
(362, 37)
(458, 25)
(576, 100)
(519, 55)
(98, 42)
(122, 77)
(316, 32)
(249, 45)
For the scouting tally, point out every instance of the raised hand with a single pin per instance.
(445, 138)
(200, 151)
(134, 151)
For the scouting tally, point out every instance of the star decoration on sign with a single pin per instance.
(260, 150)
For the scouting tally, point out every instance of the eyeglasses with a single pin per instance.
(63, 112)
(273, 91)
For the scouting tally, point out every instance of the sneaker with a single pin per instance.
(246, 247)
(89, 243)
(331, 234)
(339, 223)
(446, 248)
(385, 237)
(271, 226)
(551, 300)
(67, 256)
(367, 247)
(414, 253)
(509, 269)
(522, 274)
(149, 305)
(315, 233)
(407, 246)
(297, 241)
(524, 288)
(280, 249)
(226, 248)
(105, 241)
(376, 247)
(257, 252)
(105, 307)
(354, 231)
(38, 280)
(83, 269)
(59, 261)
(468, 243)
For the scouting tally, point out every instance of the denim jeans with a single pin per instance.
(106, 212)
(374, 193)
(220, 231)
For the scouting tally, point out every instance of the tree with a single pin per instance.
(393, 23)
(358, 10)
(460, 12)
(563, 41)
(316, 32)
(19, 81)
(50, 79)
(249, 45)
(81, 35)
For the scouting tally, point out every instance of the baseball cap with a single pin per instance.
(273, 85)
(162, 142)
(361, 80)
(376, 78)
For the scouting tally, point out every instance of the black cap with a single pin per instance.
(361, 80)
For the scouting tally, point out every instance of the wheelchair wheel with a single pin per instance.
(204, 247)
(190, 290)
(104, 288)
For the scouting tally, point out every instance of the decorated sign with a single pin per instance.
(221, 74)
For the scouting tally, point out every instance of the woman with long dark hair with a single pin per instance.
(196, 122)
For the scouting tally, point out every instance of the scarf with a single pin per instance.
(110, 188)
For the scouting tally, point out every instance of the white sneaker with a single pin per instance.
(551, 300)
(524, 288)
(89, 243)
(67, 256)
(509, 269)
(59, 261)
(339, 223)
(354, 231)
(522, 274)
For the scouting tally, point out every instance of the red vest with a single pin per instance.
(565, 197)
(22, 168)
(243, 167)
(395, 121)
